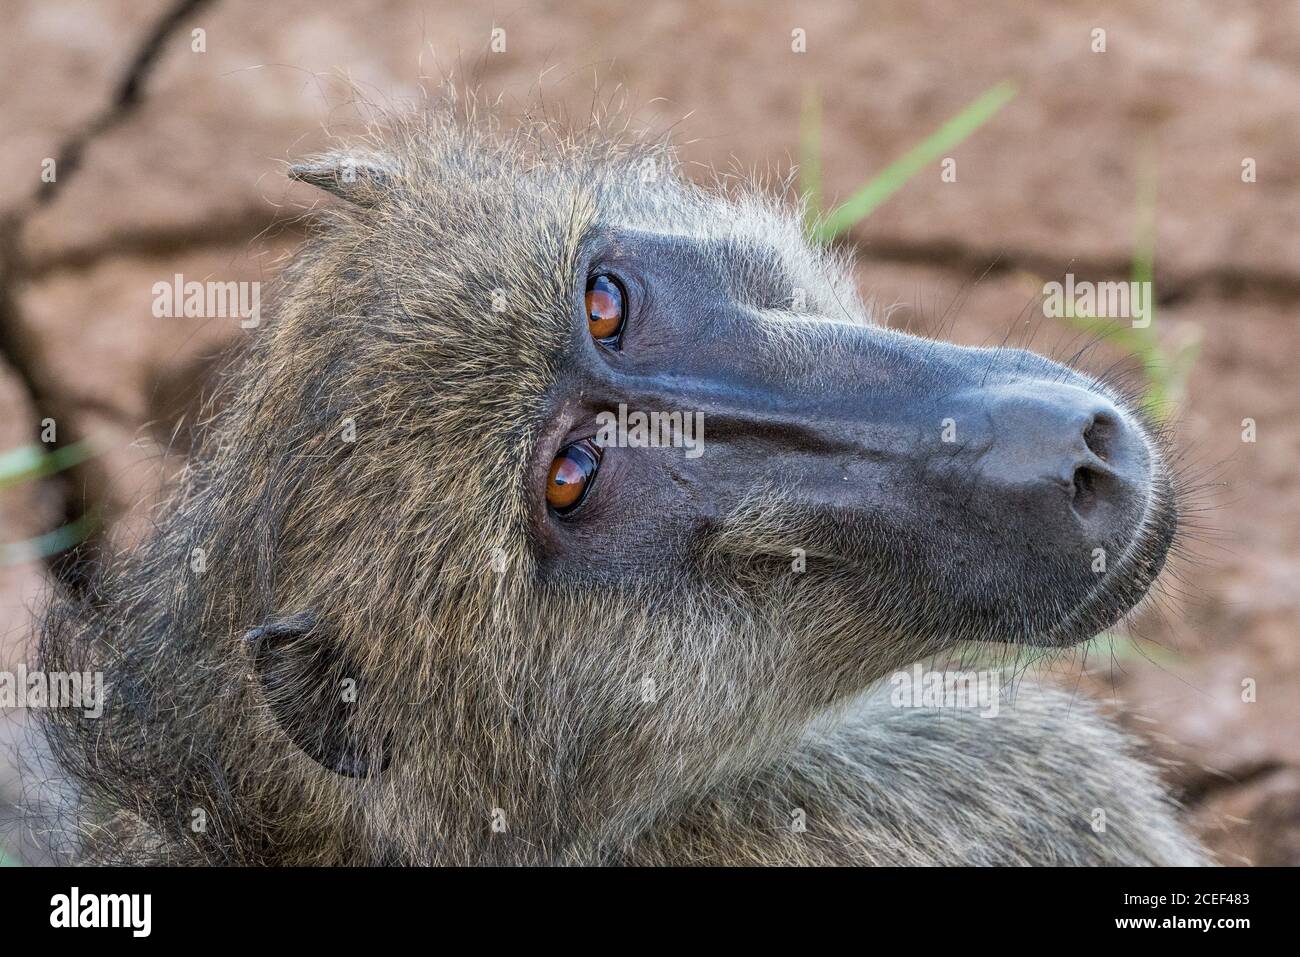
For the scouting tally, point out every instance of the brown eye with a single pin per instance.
(571, 475)
(604, 307)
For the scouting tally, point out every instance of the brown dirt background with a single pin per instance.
(184, 174)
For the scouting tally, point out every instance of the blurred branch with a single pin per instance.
(124, 101)
(84, 484)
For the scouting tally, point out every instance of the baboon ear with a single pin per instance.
(362, 179)
(317, 697)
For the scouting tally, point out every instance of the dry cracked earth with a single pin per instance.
(171, 160)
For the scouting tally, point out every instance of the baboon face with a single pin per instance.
(697, 459)
(896, 483)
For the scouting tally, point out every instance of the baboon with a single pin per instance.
(405, 608)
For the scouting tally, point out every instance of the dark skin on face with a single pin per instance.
(984, 482)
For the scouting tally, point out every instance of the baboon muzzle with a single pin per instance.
(1006, 485)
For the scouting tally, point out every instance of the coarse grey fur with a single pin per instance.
(1046, 782)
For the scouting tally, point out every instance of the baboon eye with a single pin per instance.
(571, 475)
(605, 308)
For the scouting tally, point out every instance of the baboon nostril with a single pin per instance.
(1099, 434)
(1085, 489)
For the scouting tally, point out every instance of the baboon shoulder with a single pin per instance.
(1046, 782)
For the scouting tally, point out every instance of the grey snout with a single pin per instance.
(1066, 458)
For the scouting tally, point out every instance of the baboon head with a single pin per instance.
(449, 609)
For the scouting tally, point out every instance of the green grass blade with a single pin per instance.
(1165, 366)
(810, 150)
(862, 203)
(28, 462)
(1125, 650)
(1144, 234)
(51, 543)
(1132, 341)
